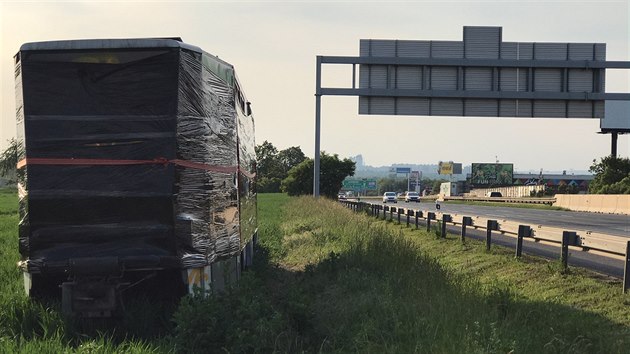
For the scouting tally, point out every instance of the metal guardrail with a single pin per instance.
(608, 245)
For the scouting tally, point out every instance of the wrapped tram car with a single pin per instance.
(138, 159)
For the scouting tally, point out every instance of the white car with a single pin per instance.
(412, 197)
(390, 197)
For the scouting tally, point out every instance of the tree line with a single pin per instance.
(291, 172)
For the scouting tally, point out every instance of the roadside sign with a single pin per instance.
(365, 184)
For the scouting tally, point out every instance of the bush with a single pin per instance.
(612, 176)
(332, 173)
(268, 185)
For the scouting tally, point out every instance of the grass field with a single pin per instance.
(329, 280)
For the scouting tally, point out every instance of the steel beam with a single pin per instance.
(318, 113)
(503, 63)
(518, 95)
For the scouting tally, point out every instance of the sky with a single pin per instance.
(273, 46)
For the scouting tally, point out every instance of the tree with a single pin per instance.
(268, 185)
(300, 179)
(391, 184)
(290, 158)
(612, 176)
(9, 158)
(332, 173)
(274, 165)
(267, 160)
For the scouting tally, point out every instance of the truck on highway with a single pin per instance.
(138, 162)
(449, 189)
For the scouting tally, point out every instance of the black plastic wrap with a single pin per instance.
(247, 171)
(206, 204)
(109, 136)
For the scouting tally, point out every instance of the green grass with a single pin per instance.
(329, 280)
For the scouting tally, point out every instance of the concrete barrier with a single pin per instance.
(512, 192)
(568, 201)
(623, 204)
(595, 203)
(609, 205)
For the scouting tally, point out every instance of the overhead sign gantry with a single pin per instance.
(480, 76)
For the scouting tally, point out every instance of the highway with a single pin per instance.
(618, 225)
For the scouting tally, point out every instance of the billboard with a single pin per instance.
(449, 168)
(491, 174)
(414, 181)
(616, 117)
(445, 168)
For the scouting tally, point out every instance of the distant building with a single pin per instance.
(358, 160)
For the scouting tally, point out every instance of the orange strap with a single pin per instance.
(157, 161)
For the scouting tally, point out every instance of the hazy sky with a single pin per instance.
(273, 45)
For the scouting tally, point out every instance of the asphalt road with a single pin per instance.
(618, 225)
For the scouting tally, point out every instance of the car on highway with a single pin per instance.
(494, 194)
(390, 197)
(412, 197)
(341, 196)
